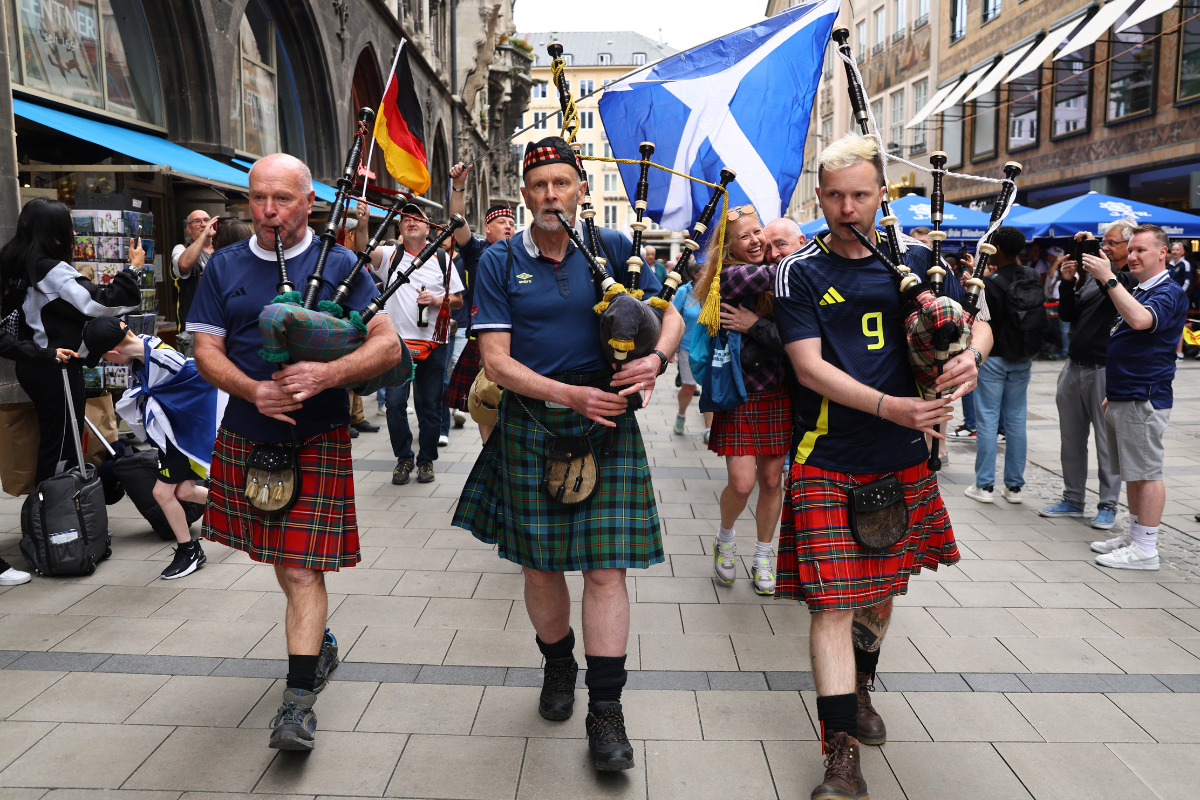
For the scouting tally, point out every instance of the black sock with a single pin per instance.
(866, 662)
(838, 713)
(302, 672)
(563, 648)
(605, 678)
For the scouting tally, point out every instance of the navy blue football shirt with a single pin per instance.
(853, 307)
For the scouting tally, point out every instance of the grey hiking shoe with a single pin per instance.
(327, 661)
(295, 724)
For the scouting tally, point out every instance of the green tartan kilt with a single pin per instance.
(503, 502)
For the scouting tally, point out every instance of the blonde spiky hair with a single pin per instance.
(849, 151)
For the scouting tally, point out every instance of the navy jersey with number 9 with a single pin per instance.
(853, 307)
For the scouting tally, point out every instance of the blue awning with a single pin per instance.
(144, 147)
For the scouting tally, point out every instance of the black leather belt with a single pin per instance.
(1087, 364)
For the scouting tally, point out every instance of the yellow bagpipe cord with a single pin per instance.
(710, 313)
(571, 116)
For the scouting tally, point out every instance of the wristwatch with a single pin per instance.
(1111, 283)
(665, 360)
(978, 357)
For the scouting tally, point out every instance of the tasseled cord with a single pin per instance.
(612, 292)
(441, 329)
(710, 313)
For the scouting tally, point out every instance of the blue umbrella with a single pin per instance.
(1092, 211)
(959, 222)
(811, 229)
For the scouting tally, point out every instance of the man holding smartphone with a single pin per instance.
(1086, 304)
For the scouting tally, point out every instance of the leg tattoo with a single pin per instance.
(870, 626)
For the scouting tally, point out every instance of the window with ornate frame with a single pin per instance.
(95, 54)
(1187, 87)
(1132, 70)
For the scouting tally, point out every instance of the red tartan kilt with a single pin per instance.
(821, 564)
(463, 376)
(762, 426)
(319, 532)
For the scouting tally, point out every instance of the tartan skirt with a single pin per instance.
(462, 376)
(762, 426)
(821, 564)
(503, 502)
(319, 532)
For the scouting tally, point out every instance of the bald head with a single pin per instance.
(281, 199)
(783, 238)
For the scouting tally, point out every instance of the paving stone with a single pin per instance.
(195, 700)
(557, 768)
(21, 686)
(416, 708)
(1166, 717)
(463, 676)
(790, 681)
(60, 662)
(997, 682)
(233, 761)
(119, 635)
(681, 680)
(699, 652)
(513, 711)
(400, 645)
(977, 717)
(159, 665)
(1075, 770)
(738, 681)
(922, 682)
(91, 697)
(470, 768)
(1170, 770)
(69, 754)
(1059, 655)
(967, 654)
(9, 656)
(378, 673)
(1077, 718)
(348, 762)
(749, 715)
(17, 737)
(978, 771)
(796, 767)
(1148, 655)
(674, 770)
(1180, 683)
(25, 632)
(251, 668)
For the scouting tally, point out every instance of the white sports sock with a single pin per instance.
(681, 416)
(762, 550)
(1133, 519)
(1146, 538)
(726, 534)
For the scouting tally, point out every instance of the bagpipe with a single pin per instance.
(936, 327)
(296, 329)
(629, 327)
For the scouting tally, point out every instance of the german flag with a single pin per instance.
(400, 129)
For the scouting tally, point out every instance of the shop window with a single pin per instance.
(1131, 71)
(958, 19)
(61, 45)
(1023, 98)
(1072, 94)
(952, 135)
(983, 132)
(920, 98)
(1189, 54)
(895, 143)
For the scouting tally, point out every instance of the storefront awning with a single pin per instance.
(144, 147)
(1096, 27)
(956, 96)
(1148, 9)
(989, 82)
(928, 108)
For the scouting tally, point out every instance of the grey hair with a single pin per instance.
(1124, 226)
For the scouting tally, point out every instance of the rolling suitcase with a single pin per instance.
(137, 470)
(64, 521)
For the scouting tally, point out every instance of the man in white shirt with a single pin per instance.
(187, 265)
(419, 300)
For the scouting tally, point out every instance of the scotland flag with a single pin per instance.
(741, 101)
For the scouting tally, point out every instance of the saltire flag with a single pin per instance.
(742, 101)
(400, 128)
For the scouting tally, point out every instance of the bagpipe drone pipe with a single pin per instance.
(307, 330)
(937, 327)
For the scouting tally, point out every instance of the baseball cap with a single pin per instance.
(101, 335)
(415, 210)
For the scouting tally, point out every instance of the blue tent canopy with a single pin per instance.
(811, 229)
(913, 211)
(144, 147)
(1092, 211)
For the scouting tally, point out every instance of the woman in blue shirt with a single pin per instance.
(689, 306)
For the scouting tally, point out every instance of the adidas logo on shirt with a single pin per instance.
(831, 297)
(241, 292)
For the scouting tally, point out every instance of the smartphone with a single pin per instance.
(1088, 247)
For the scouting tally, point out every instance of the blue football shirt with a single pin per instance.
(853, 307)
(547, 306)
(1140, 365)
(238, 282)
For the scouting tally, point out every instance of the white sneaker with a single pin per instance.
(724, 561)
(1115, 543)
(14, 577)
(1011, 495)
(980, 494)
(1130, 557)
(764, 579)
(443, 441)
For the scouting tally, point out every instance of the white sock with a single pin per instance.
(762, 550)
(726, 534)
(1133, 519)
(1145, 537)
(681, 416)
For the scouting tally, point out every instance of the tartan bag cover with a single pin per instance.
(503, 502)
(319, 532)
(934, 313)
(821, 564)
(293, 333)
(462, 376)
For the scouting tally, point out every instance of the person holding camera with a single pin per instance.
(1086, 304)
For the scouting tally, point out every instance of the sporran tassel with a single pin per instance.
(264, 494)
(278, 493)
(252, 487)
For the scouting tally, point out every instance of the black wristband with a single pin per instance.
(665, 360)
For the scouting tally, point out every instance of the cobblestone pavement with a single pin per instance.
(1024, 671)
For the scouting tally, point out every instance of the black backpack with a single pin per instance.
(1019, 335)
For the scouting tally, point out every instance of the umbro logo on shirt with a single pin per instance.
(831, 297)
(524, 277)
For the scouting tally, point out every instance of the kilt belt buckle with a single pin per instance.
(571, 474)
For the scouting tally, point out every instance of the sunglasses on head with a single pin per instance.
(734, 214)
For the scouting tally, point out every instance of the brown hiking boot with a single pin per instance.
(871, 729)
(843, 773)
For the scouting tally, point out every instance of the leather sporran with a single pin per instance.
(571, 475)
(273, 476)
(878, 514)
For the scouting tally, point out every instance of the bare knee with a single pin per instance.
(541, 579)
(603, 579)
(163, 492)
(832, 620)
(299, 578)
